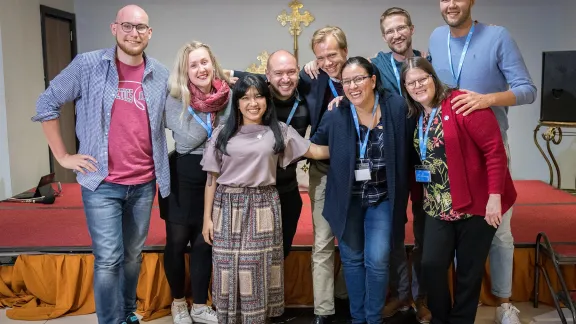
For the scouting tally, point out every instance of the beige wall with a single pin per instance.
(26, 154)
(238, 38)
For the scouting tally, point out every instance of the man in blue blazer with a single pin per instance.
(330, 48)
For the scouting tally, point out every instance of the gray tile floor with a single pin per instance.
(304, 316)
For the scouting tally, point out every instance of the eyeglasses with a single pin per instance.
(400, 29)
(357, 80)
(127, 27)
(422, 82)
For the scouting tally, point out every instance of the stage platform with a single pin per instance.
(61, 227)
(53, 248)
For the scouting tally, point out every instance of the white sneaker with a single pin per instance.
(204, 314)
(507, 314)
(180, 313)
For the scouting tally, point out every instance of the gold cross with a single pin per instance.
(263, 58)
(295, 18)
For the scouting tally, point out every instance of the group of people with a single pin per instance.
(403, 125)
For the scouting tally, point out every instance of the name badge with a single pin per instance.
(362, 172)
(423, 174)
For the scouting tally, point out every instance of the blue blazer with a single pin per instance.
(313, 91)
(337, 130)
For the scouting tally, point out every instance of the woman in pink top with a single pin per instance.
(242, 209)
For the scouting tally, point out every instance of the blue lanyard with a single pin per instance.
(364, 143)
(396, 74)
(207, 125)
(334, 92)
(423, 138)
(464, 50)
(296, 102)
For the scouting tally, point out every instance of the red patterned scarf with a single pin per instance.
(212, 102)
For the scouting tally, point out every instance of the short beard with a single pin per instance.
(131, 51)
(276, 93)
(408, 45)
(459, 22)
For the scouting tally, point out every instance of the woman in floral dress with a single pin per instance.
(467, 185)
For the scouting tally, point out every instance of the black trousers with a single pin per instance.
(470, 239)
(418, 226)
(291, 207)
(183, 211)
(177, 238)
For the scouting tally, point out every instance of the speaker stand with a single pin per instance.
(553, 134)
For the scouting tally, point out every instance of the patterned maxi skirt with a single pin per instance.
(247, 254)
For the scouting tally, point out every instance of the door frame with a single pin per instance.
(45, 12)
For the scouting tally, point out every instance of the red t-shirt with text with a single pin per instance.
(130, 159)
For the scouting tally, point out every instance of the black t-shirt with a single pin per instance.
(286, 178)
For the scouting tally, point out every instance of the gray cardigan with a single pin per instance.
(188, 134)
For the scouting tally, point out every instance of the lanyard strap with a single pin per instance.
(207, 125)
(334, 92)
(364, 143)
(464, 50)
(423, 137)
(396, 74)
(296, 102)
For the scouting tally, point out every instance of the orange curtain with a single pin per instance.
(42, 287)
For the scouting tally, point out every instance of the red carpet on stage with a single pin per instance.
(55, 283)
(539, 208)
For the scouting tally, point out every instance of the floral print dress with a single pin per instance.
(437, 201)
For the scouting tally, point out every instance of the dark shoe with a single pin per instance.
(132, 319)
(423, 314)
(319, 319)
(393, 306)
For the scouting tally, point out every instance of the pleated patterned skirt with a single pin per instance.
(248, 260)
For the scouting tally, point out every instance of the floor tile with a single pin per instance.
(6, 320)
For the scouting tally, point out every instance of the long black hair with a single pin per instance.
(235, 119)
(370, 69)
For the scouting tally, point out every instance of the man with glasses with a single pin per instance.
(397, 30)
(119, 94)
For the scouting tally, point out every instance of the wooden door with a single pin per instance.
(59, 47)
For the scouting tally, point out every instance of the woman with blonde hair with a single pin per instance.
(199, 101)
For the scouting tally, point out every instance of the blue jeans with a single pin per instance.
(118, 218)
(365, 253)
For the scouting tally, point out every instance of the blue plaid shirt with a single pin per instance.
(91, 81)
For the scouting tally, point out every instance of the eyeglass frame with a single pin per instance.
(392, 31)
(358, 80)
(132, 26)
(422, 82)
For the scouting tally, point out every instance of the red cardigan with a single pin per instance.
(476, 159)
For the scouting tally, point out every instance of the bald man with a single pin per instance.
(119, 94)
(282, 73)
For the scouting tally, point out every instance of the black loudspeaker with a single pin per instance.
(558, 87)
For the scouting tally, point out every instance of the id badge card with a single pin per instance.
(423, 174)
(362, 172)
